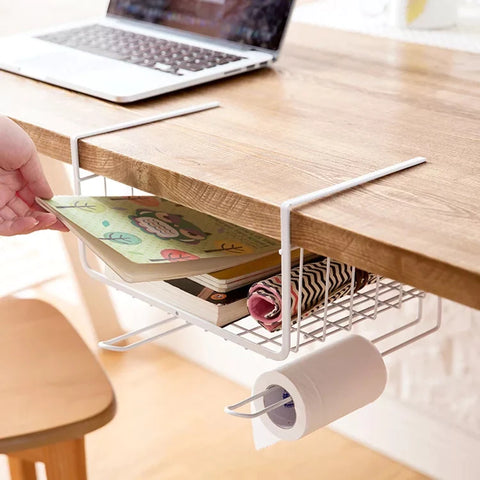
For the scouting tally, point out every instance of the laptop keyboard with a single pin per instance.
(151, 52)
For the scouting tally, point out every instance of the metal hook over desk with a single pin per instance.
(341, 315)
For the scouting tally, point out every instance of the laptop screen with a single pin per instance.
(260, 23)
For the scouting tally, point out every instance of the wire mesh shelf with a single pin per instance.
(333, 317)
(341, 315)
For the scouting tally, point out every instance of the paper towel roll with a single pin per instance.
(324, 386)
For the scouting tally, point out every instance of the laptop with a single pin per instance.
(143, 48)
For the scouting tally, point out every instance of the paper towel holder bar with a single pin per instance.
(232, 409)
(117, 344)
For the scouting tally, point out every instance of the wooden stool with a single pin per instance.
(52, 392)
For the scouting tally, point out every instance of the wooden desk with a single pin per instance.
(335, 106)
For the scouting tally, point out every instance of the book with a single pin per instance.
(248, 273)
(149, 238)
(220, 308)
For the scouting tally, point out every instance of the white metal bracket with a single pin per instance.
(366, 306)
(123, 126)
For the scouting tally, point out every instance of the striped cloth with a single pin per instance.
(265, 298)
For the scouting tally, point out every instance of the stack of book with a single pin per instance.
(219, 297)
(157, 244)
(246, 274)
(220, 308)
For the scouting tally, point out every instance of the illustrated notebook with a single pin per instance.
(149, 238)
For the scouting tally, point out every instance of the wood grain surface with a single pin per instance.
(53, 388)
(335, 106)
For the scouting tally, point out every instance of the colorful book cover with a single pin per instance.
(152, 230)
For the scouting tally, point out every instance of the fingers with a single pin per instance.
(36, 210)
(34, 177)
(24, 225)
(50, 221)
(17, 218)
(8, 214)
(16, 207)
(27, 195)
(23, 179)
(59, 226)
(47, 220)
(18, 153)
(18, 226)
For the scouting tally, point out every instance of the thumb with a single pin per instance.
(33, 174)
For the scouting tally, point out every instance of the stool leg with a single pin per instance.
(65, 460)
(21, 469)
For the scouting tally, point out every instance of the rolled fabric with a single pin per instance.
(264, 300)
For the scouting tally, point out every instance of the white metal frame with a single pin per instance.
(285, 224)
(340, 315)
(77, 180)
(232, 409)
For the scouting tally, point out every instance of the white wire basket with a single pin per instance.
(333, 317)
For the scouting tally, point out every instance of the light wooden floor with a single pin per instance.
(171, 426)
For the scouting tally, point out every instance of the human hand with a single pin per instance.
(21, 180)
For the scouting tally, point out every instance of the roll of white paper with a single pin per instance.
(324, 386)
